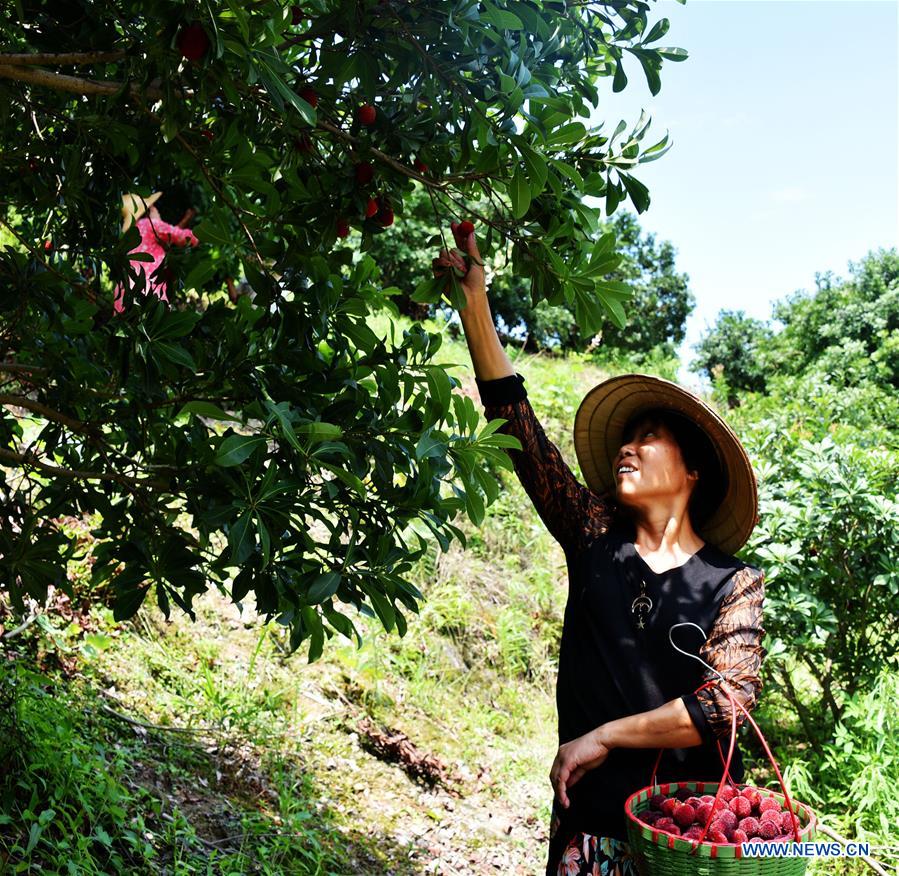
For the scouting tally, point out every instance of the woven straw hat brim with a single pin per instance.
(599, 427)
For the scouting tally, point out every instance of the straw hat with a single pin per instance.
(598, 430)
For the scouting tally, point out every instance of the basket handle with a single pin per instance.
(733, 737)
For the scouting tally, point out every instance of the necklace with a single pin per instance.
(641, 606)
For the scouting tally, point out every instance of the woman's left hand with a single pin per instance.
(576, 758)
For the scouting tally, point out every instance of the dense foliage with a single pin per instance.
(657, 311)
(271, 443)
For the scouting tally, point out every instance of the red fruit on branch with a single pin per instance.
(309, 95)
(193, 42)
(366, 115)
(343, 228)
(303, 143)
(463, 230)
(364, 173)
(420, 166)
(371, 208)
(208, 135)
(385, 216)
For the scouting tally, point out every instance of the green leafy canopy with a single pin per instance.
(252, 432)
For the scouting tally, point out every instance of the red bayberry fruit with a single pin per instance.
(651, 817)
(343, 228)
(664, 824)
(465, 228)
(655, 802)
(786, 821)
(703, 813)
(707, 798)
(784, 838)
(749, 826)
(371, 208)
(309, 95)
(694, 832)
(753, 796)
(296, 15)
(716, 835)
(366, 114)
(770, 815)
(693, 801)
(420, 166)
(728, 818)
(740, 837)
(193, 42)
(728, 792)
(769, 803)
(740, 806)
(768, 830)
(668, 806)
(48, 246)
(684, 814)
(385, 216)
(364, 173)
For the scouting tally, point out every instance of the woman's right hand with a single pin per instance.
(473, 282)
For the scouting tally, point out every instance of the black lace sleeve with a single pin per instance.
(572, 512)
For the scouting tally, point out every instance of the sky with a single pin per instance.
(785, 151)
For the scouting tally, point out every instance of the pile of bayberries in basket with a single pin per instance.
(740, 816)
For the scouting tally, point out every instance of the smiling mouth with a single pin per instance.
(624, 469)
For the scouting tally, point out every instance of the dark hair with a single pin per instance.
(699, 455)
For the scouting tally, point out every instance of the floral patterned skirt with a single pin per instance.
(582, 854)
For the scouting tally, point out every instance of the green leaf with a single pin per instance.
(324, 587)
(320, 431)
(638, 192)
(620, 81)
(208, 410)
(383, 608)
(520, 194)
(175, 354)
(240, 537)
(500, 18)
(535, 163)
(439, 386)
(236, 448)
(568, 171)
(659, 29)
(429, 445)
(674, 54)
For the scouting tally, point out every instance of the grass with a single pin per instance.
(203, 747)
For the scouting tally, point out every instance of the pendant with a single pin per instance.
(641, 603)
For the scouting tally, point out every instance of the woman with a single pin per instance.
(649, 543)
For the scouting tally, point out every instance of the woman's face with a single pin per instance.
(649, 467)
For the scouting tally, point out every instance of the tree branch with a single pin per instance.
(46, 412)
(74, 84)
(57, 471)
(62, 57)
(22, 368)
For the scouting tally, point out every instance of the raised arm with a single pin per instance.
(573, 514)
(734, 648)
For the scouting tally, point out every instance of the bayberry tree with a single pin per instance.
(271, 443)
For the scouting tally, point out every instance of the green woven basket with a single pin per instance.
(659, 853)
(663, 854)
